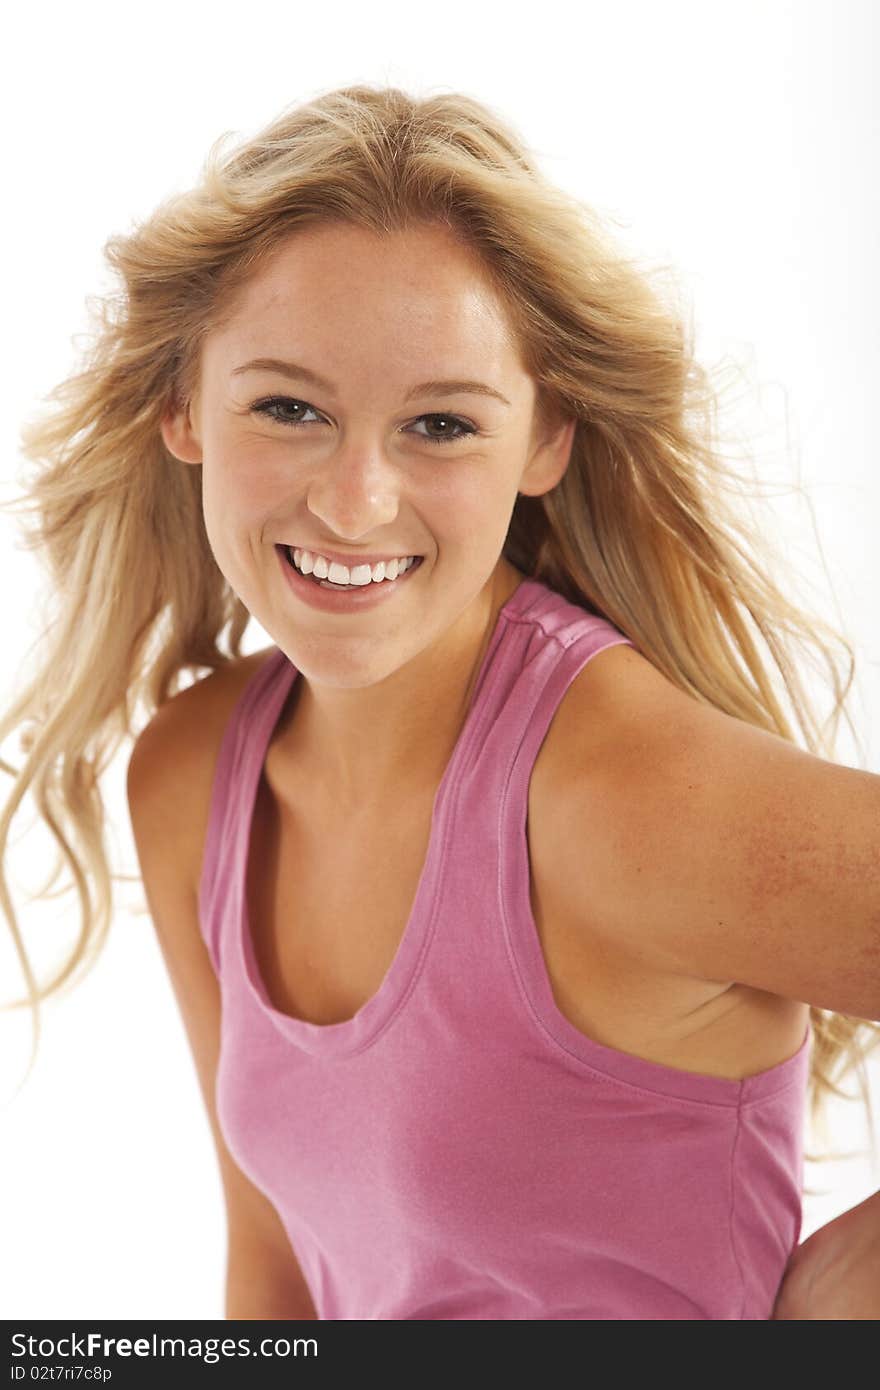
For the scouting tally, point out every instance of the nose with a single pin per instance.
(354, 493)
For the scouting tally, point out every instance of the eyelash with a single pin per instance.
(265, 407)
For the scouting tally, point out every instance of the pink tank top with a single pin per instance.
(457, 1148)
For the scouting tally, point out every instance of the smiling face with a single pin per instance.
(380, 464)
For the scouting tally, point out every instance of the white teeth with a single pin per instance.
(308, 563)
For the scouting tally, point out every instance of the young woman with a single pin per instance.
(496, 894)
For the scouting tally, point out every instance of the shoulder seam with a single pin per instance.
(537, 620)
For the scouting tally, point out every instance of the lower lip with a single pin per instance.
(341, 600)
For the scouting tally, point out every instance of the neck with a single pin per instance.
(357, 748)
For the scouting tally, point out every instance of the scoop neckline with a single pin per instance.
(354, 1034)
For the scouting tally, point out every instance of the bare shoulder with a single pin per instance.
(609, 781)
(171, 767)
(614, 708)
(752, 859)
(611, 729)
(609, 732)
(643, 795)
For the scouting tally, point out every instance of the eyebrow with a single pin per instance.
(425, 388)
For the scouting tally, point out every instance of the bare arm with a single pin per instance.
(834, 1275)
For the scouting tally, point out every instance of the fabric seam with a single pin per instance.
(536, 620)
(732, 1213)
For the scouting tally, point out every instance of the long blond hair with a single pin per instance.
(638, 530)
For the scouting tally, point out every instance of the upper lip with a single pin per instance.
(350, 561)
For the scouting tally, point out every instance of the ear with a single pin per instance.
(549, 458)
(179, 435)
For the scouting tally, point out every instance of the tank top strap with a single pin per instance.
(547, 643)
(238, 766)
(480, 965)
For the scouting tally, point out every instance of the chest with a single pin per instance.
(328, 904)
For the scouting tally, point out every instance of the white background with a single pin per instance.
(739, 143)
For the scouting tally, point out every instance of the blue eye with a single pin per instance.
(269, 407)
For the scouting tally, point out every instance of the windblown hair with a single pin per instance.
(638, 530)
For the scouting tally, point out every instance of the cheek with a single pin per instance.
(235, 497)
(472, 500)
(230, 522)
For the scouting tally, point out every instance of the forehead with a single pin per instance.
(413, 287)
